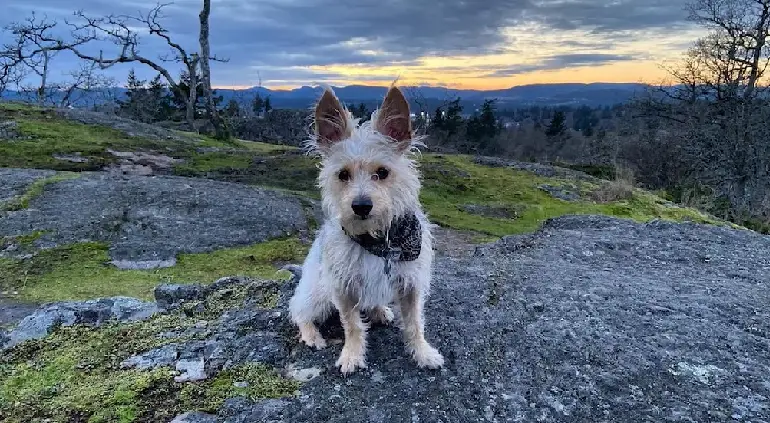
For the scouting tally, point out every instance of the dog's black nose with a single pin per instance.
(362, 206)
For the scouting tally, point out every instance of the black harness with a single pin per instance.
(401, 242)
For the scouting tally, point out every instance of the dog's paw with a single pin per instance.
(427, 356)
(349, 361)
(382, 315)
(312, 337)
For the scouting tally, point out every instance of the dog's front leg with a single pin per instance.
(354, 350)
(411, 302)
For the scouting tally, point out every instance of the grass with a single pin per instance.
(50, 134)
(82, 271)
(74, 374)
(34, 190)
(451, 182)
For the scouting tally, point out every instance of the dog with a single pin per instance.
(375, 247)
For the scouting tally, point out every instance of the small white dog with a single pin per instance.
(375, 246)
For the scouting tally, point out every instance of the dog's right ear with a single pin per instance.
(331, 123)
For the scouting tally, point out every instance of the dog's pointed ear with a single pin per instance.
(331, 123)
(393, 119)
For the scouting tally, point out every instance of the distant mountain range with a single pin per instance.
(592, 94)
(573, 94)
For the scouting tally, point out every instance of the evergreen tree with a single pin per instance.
(258, 105)
(233, 109)
(556, 127)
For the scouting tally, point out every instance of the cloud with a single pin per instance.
(277, 39)
(561, 61)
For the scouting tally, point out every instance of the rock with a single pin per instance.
(143, 264)
(129, 127)
(570, 338)
(68, 313)
(595, 319)
(163, 356)
(12, 312)
(15, 182)
(142, 163)
(492, 211)
(194, 417)
(240, 410)
(76, 157)
(192, 370)
(148, 221)
(303, 375)
(565, 192)
(9, 130)
(547, 171)
(169, 296)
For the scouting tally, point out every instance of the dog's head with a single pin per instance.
(367, 176)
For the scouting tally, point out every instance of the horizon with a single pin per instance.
(495, 45)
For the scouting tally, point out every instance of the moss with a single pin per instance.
(235, 296)
(35, 190)
(82, 271)
(49, 135)
(74, 374)
(202, 163)
(287, 171)
(253, 381)
(22, 241)
(607, 172)
(451, 182)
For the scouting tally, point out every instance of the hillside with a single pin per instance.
(558, 296)
(593, 94)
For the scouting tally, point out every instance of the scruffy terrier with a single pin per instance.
(375, 246)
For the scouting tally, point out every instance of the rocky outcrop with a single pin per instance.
(15, 182)
(149, 220)
(588, 319)
(91, 312)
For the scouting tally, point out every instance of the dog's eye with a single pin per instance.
(344, 175)
(382, 173)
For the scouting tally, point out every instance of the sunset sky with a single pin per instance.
(480, 44)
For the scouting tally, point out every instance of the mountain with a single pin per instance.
(591, 94)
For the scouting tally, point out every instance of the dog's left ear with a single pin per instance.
(393, 119)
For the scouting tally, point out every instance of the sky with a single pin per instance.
(464, 44)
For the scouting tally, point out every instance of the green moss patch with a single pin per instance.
(74, 374)
(283, 170)
(451, 183)
(46, 134)
(253, 381)
(51, 135)
(82, 271)
(35, 190)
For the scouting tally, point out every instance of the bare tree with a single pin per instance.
(11, 74)
(30, 53)
(84, 84)
(737, 45)
(121, 31)
(714, 123)
(220, 127)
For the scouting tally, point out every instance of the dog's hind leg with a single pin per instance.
(382, 315)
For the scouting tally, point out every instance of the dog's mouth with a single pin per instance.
(361, 218)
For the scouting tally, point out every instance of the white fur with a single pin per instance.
(337, 270)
